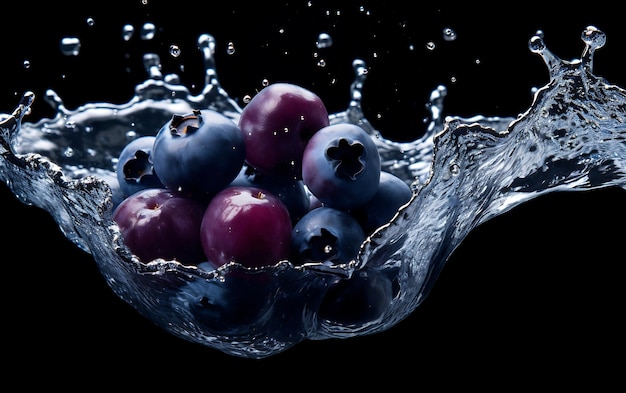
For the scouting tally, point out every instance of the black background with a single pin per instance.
(535, 295)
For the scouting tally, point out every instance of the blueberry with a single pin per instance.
(341, 166)
(326, 235)
(198, 153)
(361, 299)
(392, 193)
(135, 170)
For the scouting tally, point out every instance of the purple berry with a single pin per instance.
(292, 192)
(161, 223)
(277, 123)
(247, 225)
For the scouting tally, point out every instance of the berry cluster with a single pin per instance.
(281, 184)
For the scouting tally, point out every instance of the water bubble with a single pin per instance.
(127, 32)
(449, 34)
(70, 46)
(324, 40)
(175, 50)
(147, 31)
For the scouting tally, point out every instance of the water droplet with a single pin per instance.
(70, 46)
(246, 98)
(265, 82)
(454, 169)
(90, 21)
(174, 50)
(26, 64)
(324, 40)
(127, 32)
(230, 48)
(430, 45)
(536, 44)
(594, 37)
(321, 63)
(147, 31)
(68, 152)
(449, 34)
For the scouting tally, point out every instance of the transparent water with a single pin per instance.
(464, 171)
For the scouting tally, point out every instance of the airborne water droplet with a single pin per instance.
(430, 45)
(449, 34)
(70, 46)
(147, 31)
(174, 50)
(127, 32)
(230, 48)
(324, 40)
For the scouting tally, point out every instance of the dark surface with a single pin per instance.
(533, 296)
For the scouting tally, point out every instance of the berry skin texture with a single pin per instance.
(292, 192)
(341, 166)
(198, 153)
(277, 123)
(160, 223)
(134, 167)
(246, 225)
(326, 235)
(391, 195)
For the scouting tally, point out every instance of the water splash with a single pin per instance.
(464, 171)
